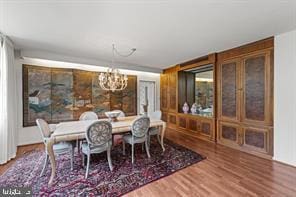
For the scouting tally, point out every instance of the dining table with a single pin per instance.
(75, 130)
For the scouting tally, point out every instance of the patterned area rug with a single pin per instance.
(101, 182)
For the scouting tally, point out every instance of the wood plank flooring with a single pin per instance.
(225, 172)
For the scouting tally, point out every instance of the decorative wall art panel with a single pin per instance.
(58, 94)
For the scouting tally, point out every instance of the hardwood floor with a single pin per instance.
(225, 172)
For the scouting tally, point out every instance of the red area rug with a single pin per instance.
(101, 182)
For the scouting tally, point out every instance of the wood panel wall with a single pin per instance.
(243, 111)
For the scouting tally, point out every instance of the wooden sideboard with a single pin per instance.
(243, 109)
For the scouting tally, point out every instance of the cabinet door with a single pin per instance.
(256, 139)
(164, 116)
(164, 92)
(206, 128)
(173, 92)
(182, 122)
(256, 79)
(228, 90)
(229, 134)
(172, 119)
(193, 125)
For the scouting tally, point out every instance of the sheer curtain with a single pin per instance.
(8, 129)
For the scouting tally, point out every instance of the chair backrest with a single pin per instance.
(140, 126)
(156, 115)
(99, 133)
(43, 127)
(122, 114)
(88, 115)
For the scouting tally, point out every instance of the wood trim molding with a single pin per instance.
(211, 59)
(267, 43)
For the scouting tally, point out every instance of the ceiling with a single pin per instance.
(164, 32)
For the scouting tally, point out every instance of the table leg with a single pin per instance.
(49, 147)
(162, 136)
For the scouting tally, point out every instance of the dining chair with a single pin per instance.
(139, 132)
(99, 139)
(122, 114)
(88, 115)
(154, 130)
(59, 148)
(118, 138)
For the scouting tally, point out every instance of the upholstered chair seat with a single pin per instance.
(92, 150)
(153, 131)
(62, 147)
(130, 139)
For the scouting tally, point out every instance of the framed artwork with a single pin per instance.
(62, 94)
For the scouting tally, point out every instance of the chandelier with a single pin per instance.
(112, 79)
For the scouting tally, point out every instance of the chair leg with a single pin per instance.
(83, 160)
(44, 165)
(79, 143)
(147, 148)
(142, 147)
(87, 166)
(109, 158)
(72, 157)
(123, 147)
(149, 140)
(158, 139)
(133, 153)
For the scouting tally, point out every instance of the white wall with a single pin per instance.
(285, 98)
(31, 135)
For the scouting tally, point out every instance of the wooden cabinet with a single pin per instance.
(242, 98)
(168, 97)
(256, 88)
(245, 99)
(248, 138)
(198, 126)
(229, 134)
(168, 91)
(194, 125)
(206, 128)
(172, 98)
(164, 116)
(229, 86)
(182, 121)
(245, 89)
(172, 120)
(257, 139)
(163, 92)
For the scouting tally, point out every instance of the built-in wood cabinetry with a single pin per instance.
(164, 93)
(243, 107)
(245, 98)
(173, 96)
(197, 126)
(168, 96)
